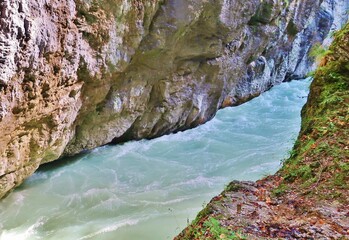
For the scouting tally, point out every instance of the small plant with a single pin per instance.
(232, 187)
(219, 232)
(279, 191)
(318, 52)
(287, 2)
(331, 100)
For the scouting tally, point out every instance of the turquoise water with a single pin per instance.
(149, 190)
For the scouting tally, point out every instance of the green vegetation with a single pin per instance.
(263, 15)
(219, 232)
(280, 190)
(83, 11)
(320, 158)
(232, 187)
(316, 174)
(318, 52)
(287, 2)
(209, 224)
(210, 229)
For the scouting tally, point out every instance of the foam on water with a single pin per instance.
(111, 228)
(149, 189)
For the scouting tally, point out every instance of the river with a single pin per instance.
(151, 189)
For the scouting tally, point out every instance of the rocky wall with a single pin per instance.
(75, 75)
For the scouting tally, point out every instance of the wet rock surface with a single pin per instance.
(308, 197)
(75, 75)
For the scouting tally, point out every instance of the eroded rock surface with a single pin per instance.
(75, 75)
(308, 197)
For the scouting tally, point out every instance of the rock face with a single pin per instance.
(308, 197)
(75, 75)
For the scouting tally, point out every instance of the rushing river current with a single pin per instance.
(150, 190)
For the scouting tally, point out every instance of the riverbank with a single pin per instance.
(117, 189)
(308, 197)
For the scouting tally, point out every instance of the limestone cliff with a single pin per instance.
(79, 74)
(308, 197)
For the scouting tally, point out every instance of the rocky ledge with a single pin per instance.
(308, 197)
(75, 75)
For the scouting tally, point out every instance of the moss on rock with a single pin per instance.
(321, 153)
(308, 197)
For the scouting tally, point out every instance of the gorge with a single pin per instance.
(76, 75)
(308, 197)
(150, 189)
(80, 74)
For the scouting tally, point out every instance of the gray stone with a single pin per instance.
(75, 76)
